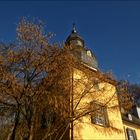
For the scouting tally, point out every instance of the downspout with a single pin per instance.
(71, 107)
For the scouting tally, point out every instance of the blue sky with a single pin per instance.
(110, 29)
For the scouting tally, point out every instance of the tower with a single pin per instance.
(92, 96)
(76, 44)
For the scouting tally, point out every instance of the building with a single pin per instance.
(131, 123)
(94, 103)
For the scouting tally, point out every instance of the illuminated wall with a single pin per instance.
(132, 127)
(86, 90)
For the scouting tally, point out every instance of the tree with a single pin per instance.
(39, 85)
(134, 89)
(125, 95)
(22, 68)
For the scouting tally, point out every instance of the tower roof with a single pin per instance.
(74, 36)
(75, 43)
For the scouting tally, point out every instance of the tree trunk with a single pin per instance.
(13, 135)
(32, 125)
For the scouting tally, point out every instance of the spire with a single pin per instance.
(74, 28)
(74, 38)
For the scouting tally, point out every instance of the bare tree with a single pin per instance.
(125, 95)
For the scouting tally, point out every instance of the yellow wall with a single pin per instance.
(84, 92)
(133, 127)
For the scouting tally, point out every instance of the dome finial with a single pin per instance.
(74, 28)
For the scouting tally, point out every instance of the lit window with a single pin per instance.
(131, 134)
(99, 114)
(89, 53)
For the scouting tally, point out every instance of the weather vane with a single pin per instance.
(74, 28)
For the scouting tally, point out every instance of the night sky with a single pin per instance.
(110, 29)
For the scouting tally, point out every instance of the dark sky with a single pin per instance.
(110, 29)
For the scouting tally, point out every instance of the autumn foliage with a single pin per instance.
(29, 74)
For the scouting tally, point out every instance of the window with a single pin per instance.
(99, 114)
(131, 134)
(89, 53)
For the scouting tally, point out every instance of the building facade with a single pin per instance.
(94, 101)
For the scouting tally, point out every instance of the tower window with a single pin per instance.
(76, 42)
(99, 114)
(131, 134)
(89, 53)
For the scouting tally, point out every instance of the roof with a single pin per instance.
(134, 120)
(74, 36)
(98, 74)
